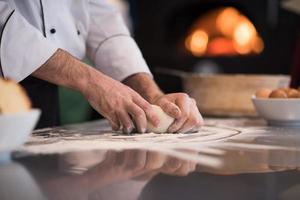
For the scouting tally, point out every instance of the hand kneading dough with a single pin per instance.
(164, 121)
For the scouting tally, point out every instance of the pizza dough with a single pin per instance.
(13, 98)
(164, 121)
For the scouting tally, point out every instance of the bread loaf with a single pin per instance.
(13, 98)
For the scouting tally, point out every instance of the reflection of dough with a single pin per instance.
(164, 121)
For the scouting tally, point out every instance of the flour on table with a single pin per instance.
(62, 140)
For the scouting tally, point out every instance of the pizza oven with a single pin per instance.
(215, 36)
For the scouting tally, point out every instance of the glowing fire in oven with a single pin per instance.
(224, 32)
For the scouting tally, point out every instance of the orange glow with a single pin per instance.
(227, 20)
(258, 45)
(242, 49)
(197, 42)
(221, 46)
(244, 32)
(226, 32)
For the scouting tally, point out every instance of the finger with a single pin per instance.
(146, 176)
(125, 121)
(121, 159)
(110, 158)
(199, 124)
(177, 124)
(193, 122)
(114, 122)
(184, 169)
(171, 165)
(187, 168)
(193, 166)
(184, 105)
(197, 112)
(200, 121)
(155, 160)
(195, 129)
(187, 126)
(147, 108)
(169, 108)
(139, 117)
(136, 160)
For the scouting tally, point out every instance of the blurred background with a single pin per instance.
(206, 36)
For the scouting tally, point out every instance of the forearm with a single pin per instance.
(65, 70)
(144, 85)
(115, 101)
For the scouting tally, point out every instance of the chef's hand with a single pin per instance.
(178, 105)
(118, 103)
(122, 106)
(184, 109)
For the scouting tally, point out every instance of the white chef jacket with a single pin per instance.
(32, 30)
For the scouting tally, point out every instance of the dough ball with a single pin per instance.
(293, 93)
(279, 93)
(13, 98)
(164, 121)
(263, 93)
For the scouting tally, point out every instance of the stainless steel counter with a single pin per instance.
(227, 159)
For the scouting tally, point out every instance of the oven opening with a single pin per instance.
(223, 31)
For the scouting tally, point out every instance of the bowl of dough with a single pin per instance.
(279, 107)
(17, 118)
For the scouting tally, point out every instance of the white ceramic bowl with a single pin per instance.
(15, 128)
(278, 112)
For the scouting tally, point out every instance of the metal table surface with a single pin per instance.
(235, 158)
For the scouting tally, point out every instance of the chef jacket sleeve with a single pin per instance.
(23, 48)
(109, 44)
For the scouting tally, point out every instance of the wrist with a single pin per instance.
(152, 96)
(90, 81)
(145, 86)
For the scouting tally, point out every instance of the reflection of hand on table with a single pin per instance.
(172, 166)
(116, 167)
(137, 163)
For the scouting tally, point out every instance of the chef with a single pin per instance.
(43, 43)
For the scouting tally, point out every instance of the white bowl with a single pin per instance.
(278, 112)
(15, 128)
